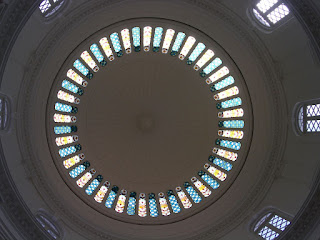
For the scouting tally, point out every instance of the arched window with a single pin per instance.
(269, 225)
(49, 225)
(4, 113)
(307, 117)
(50, 7)
(269, 13)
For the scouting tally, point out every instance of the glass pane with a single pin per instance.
(260, 18)
(279, 222)
(313, 126)
(268, 234)
(265, 5)
(44, 6)
(279, 13)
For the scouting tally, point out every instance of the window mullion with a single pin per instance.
(304, 118)
(272, 8)
(273, 228)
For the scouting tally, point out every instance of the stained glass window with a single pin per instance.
(65, 108)
(177, 43)
(93, 185)
(60, 141)
(173, 202)
(153, 205)
(270, 226)
(89, 61)
(75, 77)
(226, 154)
(229, 103)
(62, 95)
(83, 69)
(97, 54)
(64, 129)
(231, 113)
(204, 59)
(222, 84)
(131, 208)
(195, 53)
(79, 169)
(112, 196)
(308, 117)
(279, 13)
(69, 150)
(215, 172)
(228, 144)
(212, 66)
(165, 211)
(147, 32)
(116, 44)
(85, 178)
(183, 198)
(201, 187)
(71, 87)
(142, 211)
(270, 12)
(209, 180)
(167, 40)
(231, 134)
(106, 48)
(125, 34)
(121, 201)
(193, 194)
(102, 192)
(265, 5)
(157, 38)
(44, 6)
(61, 118)
(70, 162)
(136, 38)
(221, 163)
(231, 124)
(217, 75)
(226, 93)
(186, 47)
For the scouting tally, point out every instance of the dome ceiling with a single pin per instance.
(154, 125)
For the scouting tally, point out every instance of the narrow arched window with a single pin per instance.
(49, 7)
(49, 224)
(269, 14)
(307, 117)
(270, 225)
(4, 113)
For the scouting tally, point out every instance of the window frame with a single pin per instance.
(5, 113)
(296, 120)
(273, 212)
(273, 26)
(53, 10)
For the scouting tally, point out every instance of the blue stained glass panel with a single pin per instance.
(213, 65)
(213, 183)
(231, 103)
(93, 185)
(62, 129)
(97, 53)
(77, 171)
(116, 42)
(229, 144)
(67, 151)
(136, 36)
(196, 52)
(224, 83)
(177, 43)
(232, 124)
(70, 86)
(62, 107)
(80, 67)
(131, 209)
(221, 163)
(153, 208)
(157, 37)
(174, 204)
(110, 199)
(193, 194)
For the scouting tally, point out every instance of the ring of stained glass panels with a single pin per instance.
(211, 69)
